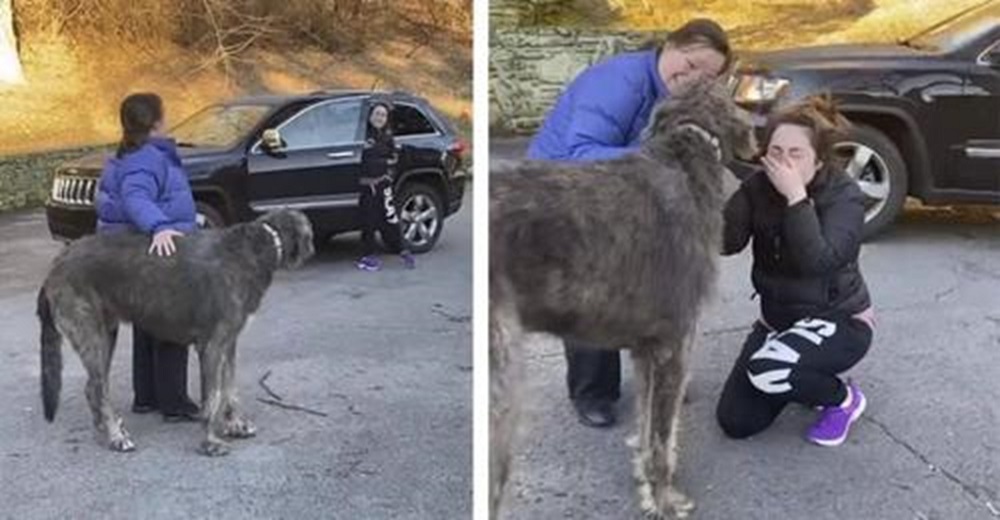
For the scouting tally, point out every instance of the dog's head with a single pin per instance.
(707, 105)
(295, 234)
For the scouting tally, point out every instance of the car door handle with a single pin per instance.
(340, 155)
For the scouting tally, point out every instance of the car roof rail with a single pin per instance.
(337, 91)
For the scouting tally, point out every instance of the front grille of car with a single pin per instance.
(77, 191)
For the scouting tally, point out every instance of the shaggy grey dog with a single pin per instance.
(619, 253)
(203, 295)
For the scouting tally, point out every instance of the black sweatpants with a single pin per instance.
(799, 364)
(379, 213)
(592, 374)
(159, 372)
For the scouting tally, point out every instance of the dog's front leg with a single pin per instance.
(234, 426)
(211, 357)
(662, 381)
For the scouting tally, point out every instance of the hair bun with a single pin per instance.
(825, 108)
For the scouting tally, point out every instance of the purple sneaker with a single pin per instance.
(369, 263)
(835, 422)
(408, 260)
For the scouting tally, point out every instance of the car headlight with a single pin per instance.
(758, 89)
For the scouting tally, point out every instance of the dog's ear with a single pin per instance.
(667, 114)
(693, 105)
(300, 240)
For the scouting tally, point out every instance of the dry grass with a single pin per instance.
(762, 24)
(81, 57)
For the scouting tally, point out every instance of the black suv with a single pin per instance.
(926, 111)
(309, 160)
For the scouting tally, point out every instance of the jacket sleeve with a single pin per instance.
(603, 108)
(823, 245)
(738, 225)
(139, 193)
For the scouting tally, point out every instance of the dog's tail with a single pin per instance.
(51, 358)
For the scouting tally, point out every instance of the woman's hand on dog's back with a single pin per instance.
(163, 242)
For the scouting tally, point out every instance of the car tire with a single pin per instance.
(875, 162)
(422, 215)
(208, 217)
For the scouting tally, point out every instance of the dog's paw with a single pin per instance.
(679, 504)
(121, 443)
(674, 505)
(240, 429)
(214, 448)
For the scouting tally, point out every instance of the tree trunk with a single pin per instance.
(10, 62)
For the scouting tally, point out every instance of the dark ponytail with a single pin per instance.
(139, 113)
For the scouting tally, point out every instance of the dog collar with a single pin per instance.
(706, 135)
(275, 238)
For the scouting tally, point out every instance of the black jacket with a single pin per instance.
(805, 257)
(378, 158)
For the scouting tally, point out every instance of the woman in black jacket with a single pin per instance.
(805, 217)
(378, 176)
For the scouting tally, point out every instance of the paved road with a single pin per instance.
(385, 355)
(929, 447)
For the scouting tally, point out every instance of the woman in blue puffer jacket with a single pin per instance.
(599, 116)
(144, 189)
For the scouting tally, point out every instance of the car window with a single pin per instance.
(408, 120)
(325, 124)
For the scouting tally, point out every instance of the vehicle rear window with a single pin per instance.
(409, 120)
(324, 124)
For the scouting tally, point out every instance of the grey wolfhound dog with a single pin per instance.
(202, 295)
(619, 253)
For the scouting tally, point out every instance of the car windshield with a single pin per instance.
(218, 126)
(957, 30)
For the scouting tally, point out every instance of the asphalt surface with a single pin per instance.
(385, 356)
(926, 449)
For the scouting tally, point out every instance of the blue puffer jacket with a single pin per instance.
(147, 191)
(602, 112)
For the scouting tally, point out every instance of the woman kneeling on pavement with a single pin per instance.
(805, 216)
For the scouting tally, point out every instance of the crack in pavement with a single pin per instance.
(452, 317)
(968, 489)
(727, 330)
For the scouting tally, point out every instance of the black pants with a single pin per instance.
(592, 374)
(159, 373)
(379, 213)
(796, 365)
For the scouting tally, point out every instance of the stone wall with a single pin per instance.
(529, 67)
(519, 13)
(25, 179)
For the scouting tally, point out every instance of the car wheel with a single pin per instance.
(207, 217)
(874, 162)
(422, 216)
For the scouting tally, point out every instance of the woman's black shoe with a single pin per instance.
(186, 412)
(595, 413)
(141, 408)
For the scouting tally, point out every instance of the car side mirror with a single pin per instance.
(271, 140)
(992, 58)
